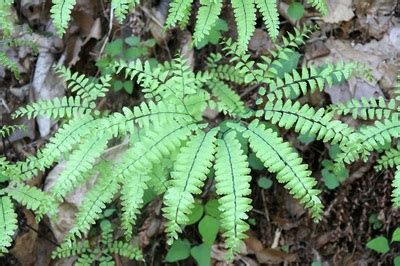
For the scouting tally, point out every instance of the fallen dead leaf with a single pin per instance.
(275, 256)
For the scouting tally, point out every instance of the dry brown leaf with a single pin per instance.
(275, 256)
(253, 245)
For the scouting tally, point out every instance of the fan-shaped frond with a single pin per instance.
(367, 108)
(8, 223)
(178, 10)
(61, 14)
(269, 11)
(122, 7)
(83, 86)
(278, 156)
(245, 17)
(80, 162)
(307, 120)
(58, 108)
(33, 198)
(6, 25)
(190, 170)
(389, 159)
(206, 18)
(233, 186)
(138, 162)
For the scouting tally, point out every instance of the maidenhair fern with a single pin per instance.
(173, 148)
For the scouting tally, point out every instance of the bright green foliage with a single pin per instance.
(172, 147)
(61, 14)
(8, 130)
(33, 198)
(389, 159)
(269, 11)
(178, 11)
(83, 86)
(8, 223)
(9, 64)
(190, 170)
(232, 177)
(367, 108)
(58, 108)
(122, 7)
(307, 120)
(320, 5)
(6, 22)
(280, 158)
(245, 15)
(206, 18)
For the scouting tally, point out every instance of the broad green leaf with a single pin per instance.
(255, 163)
(396, 261)
(396, 235)
(264, 182)
(208, 229)
(379, 244)
(179, 250)
(202, 254)
(296, 11)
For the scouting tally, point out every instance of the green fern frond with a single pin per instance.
(396, 189)
(145, 115)
(138, 162)
(9, 64)
(8, 223)
(7, 130)
(58, 108)
(190, 170)
(389, 159)
(225, 72)
(61, 14)
(122, 7)
(206, 19)
(307, 120)
(178, 10)
(372, 108)
(269, 11)
(296, 83)
(245, 17)
(368, 139)
(6, 26)
(33, 198)
(125, 250)
(233, 186)
(92, 206)
(71, 249)
(379, 134)
(83, 86)
(320, 5)
(62, 142)
(229, 102)
(79, 162)
(132, 193)
(278, 156)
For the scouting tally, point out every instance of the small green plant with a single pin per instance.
(381, 245)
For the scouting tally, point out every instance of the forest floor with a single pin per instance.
(357, 209)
